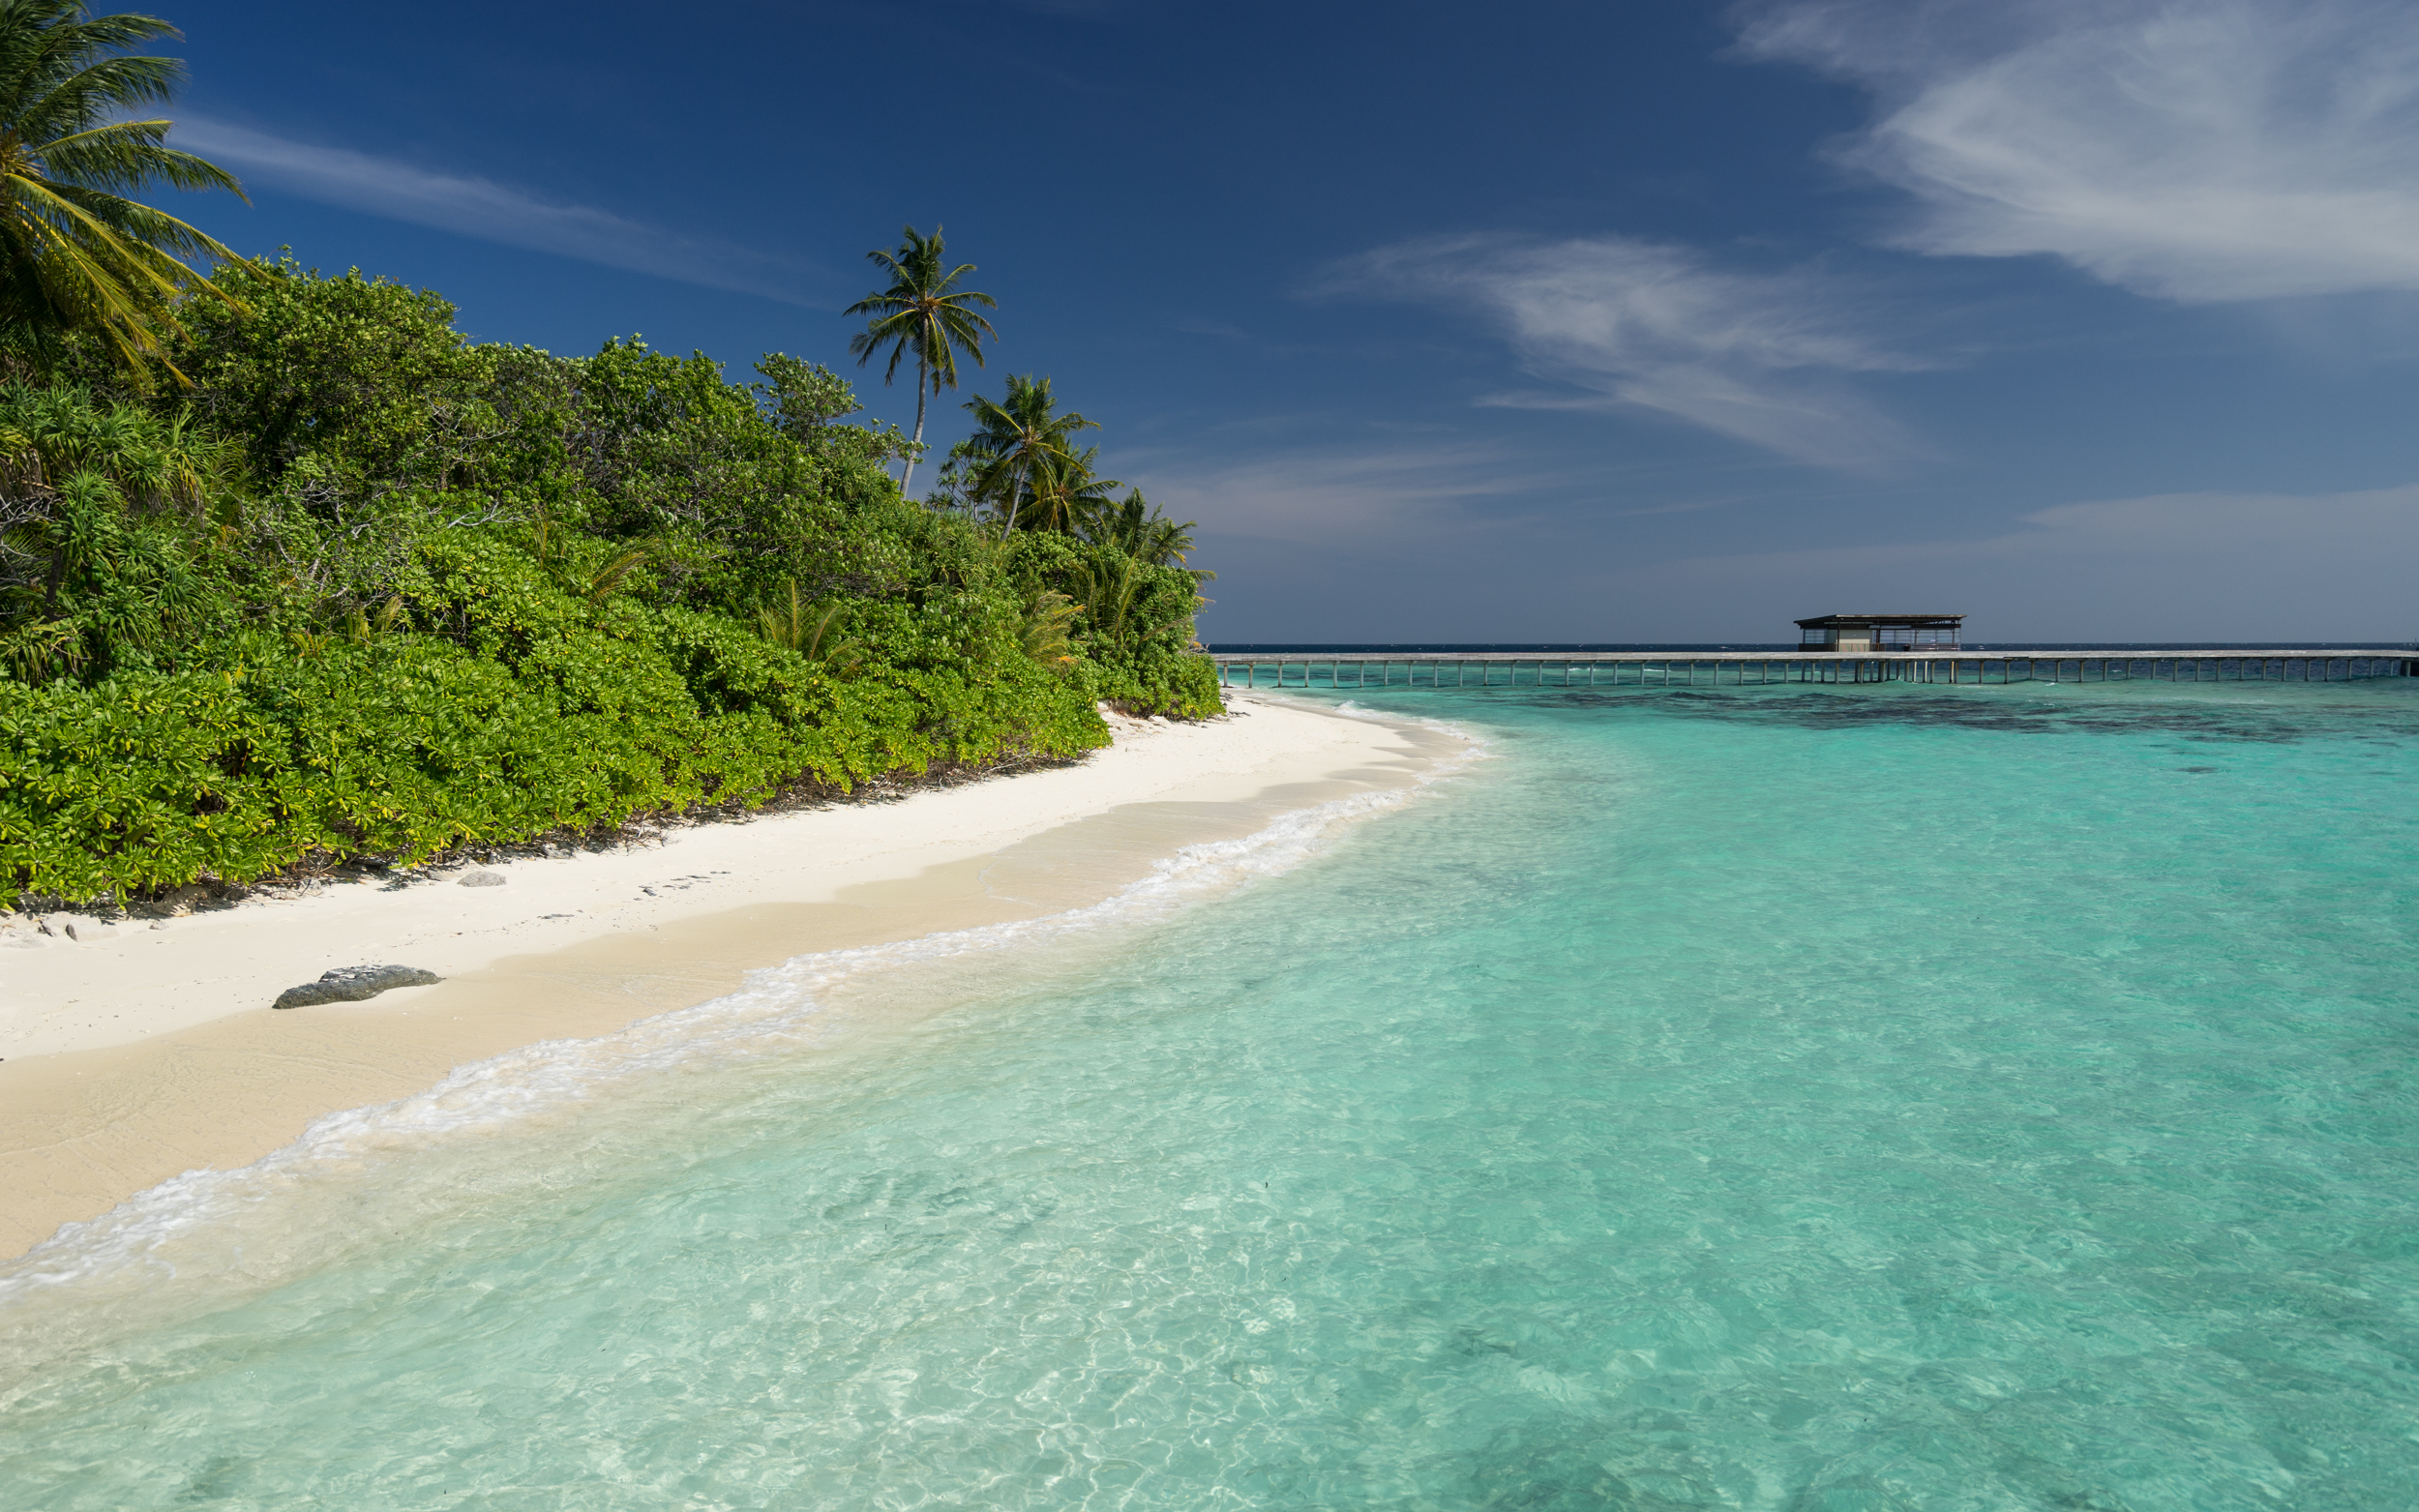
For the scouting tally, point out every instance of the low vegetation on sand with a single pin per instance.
(294, 574)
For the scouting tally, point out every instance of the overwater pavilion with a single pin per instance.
(1864, 635)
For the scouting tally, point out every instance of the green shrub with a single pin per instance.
(402, 593)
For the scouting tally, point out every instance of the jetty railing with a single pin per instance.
(1348, 670)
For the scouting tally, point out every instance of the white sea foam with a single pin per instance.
(149, 1240)
(1350, 709)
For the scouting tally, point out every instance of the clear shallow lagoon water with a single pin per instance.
(1813, 1099)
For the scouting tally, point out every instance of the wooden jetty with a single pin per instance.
(1757, 669)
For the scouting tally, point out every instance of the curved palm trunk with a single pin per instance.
(906, 480)
(1016, 497)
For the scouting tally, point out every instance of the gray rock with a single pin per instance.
(483, 880)
(62, 925)
(352, 985)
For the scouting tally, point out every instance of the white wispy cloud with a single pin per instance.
(2198, 150)
(1323, 496)
(482, 208)
(1758, 356)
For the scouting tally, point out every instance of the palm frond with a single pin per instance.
(127, 156)
(812, 631)
(608, 576)
(1049, 620)
(76, 253)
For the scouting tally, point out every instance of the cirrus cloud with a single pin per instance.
(2202, 151)
(472, 206)
(1621, 323)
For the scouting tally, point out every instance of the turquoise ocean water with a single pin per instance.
(1810, 1099)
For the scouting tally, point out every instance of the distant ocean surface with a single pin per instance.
(1444, 648)
(1812, 1099)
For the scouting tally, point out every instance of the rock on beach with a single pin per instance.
(353, 984)
(77, 928)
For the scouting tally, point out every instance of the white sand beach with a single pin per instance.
(135, 1057)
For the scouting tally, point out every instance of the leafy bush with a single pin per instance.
(545, 713)
(367, 589)
(1136, 628)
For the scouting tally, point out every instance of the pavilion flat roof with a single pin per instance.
(1822, 621)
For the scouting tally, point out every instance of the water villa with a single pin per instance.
(1863, 634)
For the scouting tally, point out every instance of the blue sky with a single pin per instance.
(1530, 321)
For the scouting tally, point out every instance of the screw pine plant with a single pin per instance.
(103, 554)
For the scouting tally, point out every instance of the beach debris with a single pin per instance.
(69, 926)
(184, 899)
(352, 985)
(483, 879)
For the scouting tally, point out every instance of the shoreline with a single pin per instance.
(133, 1059)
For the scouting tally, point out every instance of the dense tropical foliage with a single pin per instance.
(366, 589)
(292, 574)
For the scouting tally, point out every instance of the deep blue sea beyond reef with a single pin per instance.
(1824, 1099)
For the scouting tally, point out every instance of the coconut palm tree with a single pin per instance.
(1018, 443)
(1069, 494)
(76, 253)
(1137, 528)
(924, 312)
